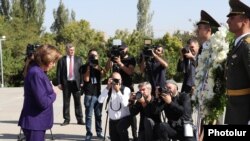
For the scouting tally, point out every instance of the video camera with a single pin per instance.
(93, 60)
(30, 49)
(148, 48)
(115, 50)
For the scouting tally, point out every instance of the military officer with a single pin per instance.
(238, 65)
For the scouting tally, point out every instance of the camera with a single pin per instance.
(115, 81)
(30, 49)
(148, 47)
(115, 50)
(185, 50)
(93, 60)
(138, 95)
(163, 91)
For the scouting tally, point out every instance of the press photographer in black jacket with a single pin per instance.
(147, 106)
(92, 72)
(154, 66)
(187, 64)
(178, 110)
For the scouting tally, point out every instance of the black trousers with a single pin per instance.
(166, 132)
(68, 90)
(186, 88)
(134, 127)
(118, 129)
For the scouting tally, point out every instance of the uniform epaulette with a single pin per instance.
(248, 39)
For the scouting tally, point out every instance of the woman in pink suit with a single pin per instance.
(37, 113)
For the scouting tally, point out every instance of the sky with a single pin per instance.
(169, 15)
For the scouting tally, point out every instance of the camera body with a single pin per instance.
(30, 49)
(163, 91)
(148, 48)
(185, 50)
(93, 60)
(115, 81)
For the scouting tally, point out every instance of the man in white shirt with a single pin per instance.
(118, 110)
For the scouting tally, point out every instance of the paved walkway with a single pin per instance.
(11, 100)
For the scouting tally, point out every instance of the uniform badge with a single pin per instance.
(234, 56)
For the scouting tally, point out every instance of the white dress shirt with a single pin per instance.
(118, 103)
(68, 60)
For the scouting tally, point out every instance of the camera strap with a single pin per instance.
(110, 92)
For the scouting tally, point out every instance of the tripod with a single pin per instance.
(21, 137)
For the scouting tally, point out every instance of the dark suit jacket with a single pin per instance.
(187, 67)
(37, 112)
(62, 71)
(238, 65)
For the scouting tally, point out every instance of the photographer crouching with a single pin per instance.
(178, 110)
(147, 106)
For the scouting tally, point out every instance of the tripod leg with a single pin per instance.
(52, 137)
(19, 137)
(105, 128)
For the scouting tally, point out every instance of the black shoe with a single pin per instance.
(65, 123)
(100, 136)
(80, 122)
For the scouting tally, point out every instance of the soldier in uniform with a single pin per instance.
(205, 28)
(238, 65)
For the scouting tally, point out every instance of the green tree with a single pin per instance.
(144, 18)
(33, 11)
(62, 17)
(5, 8)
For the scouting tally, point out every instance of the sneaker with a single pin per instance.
(88, 138)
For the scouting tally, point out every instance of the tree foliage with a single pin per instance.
(21, 23)
(144, 18)
(62, 17)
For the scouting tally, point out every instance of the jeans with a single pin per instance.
(91, 104)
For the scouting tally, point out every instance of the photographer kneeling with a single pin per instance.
(178, 110)
(146, 105)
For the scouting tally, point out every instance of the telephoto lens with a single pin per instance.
(138, 95)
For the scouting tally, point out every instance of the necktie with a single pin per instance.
(70, 68)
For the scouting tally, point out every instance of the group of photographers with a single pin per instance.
(155, 96)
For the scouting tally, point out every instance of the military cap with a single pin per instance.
(207, 19)
(238, 8)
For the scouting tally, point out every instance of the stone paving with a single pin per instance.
(11, 100)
